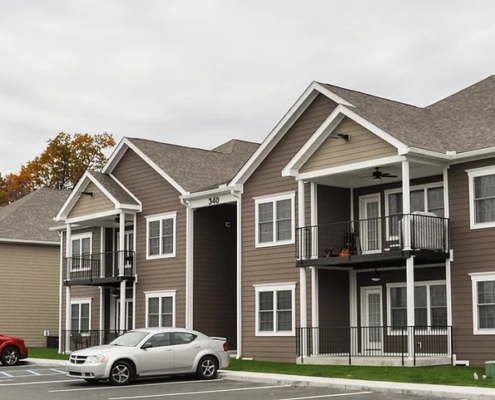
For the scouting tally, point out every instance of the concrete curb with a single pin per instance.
(450, 392)
(44, 362)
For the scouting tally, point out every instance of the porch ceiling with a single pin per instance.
(358, 178)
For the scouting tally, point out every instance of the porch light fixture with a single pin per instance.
(376, 276)
(115, 292)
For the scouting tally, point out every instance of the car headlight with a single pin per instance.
(95, 359)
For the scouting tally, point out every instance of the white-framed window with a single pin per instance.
(427, 197)
(482, 197)
(275, 309)
(160, 308)
(430, 305)
(80, 315)
(81, 251)
(160, 235)
(275, 219)
(483, 287)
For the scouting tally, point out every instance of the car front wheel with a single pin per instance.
(121, 373)
(10, 356)
(207, 367)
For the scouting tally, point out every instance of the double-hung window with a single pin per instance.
(160, 235)
(482, 197)
(275, 220)
(160, 309)
(275, 313)
(80, 315)
(81, 252)
(430, 305)
(483, 286)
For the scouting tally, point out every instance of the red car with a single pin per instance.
(12, 349)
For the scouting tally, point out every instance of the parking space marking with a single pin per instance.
(6, 374)
(33, 372)
(328, 395)
(57, 370)
(38, 382)
(202, 392)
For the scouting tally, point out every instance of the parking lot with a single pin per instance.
(28, 382)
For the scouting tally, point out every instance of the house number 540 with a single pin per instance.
(213, 200)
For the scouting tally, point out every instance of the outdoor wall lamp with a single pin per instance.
(376, 276)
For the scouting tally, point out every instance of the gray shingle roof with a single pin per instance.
(31, 217)
(113, 188)
(462, 122)
(198, 169)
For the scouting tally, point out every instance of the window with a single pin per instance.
(160, 309)
(80, 315)
(422, 198)
(183, 337)
(483, 286)
(275, 314)
(81, 252)
(160, 236)
(482, 197)
(128, 314)
(430, 305)
(159, 340)
(275, 220)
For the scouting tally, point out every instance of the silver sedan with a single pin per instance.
(151, 352)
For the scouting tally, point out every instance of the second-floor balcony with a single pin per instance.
(100, 269)
(389, 239)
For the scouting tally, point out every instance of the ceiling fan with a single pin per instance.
(377, 174)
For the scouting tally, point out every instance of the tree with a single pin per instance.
(60, 165)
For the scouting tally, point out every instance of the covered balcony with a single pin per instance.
(101, 269)
(388, 240)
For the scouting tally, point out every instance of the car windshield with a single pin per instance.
(130, 339)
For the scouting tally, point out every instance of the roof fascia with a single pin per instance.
(116, 155)
(92, 216)
(290, 117)
(332, 96)
(71, 200)
(43, 242)
(126, 190)
(110, 166)
(208, 193)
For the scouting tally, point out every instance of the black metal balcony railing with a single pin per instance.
(80, 339)
(374, 235)
(98, 266)
(375, 341)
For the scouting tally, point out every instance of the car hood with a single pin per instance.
(105, 349)
(13, 338)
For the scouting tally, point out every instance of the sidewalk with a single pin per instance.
(448, 392)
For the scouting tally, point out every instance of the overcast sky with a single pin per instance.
(199, 73)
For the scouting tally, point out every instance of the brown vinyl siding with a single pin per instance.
(362, 146)
(473, 252)
(157, 197)
(30, 288)
(274, 264)
(215, 262)
(86, 205)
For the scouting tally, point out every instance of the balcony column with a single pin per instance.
(68, 264)
(406, 206)
(315, 322)
(448, 278)
(122, 314)
(410, 304)
(301, 213)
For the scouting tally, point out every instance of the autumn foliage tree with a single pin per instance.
(59, 166)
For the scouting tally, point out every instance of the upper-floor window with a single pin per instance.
(422, 198)
(275, 309)
(275, 219)
(430, 305)
(483, 287)
(482, 197)
(160, 235)
(81, 252)
(160, 309)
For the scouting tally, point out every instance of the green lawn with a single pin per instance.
(458, 376)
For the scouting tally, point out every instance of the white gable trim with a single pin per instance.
(128, 192)
(124, 144)
(326, 128)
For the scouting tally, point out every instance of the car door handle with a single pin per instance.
(169, 349)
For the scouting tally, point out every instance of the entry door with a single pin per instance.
(370, 224)
(372, 318)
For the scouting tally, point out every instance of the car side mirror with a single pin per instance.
(147, 345)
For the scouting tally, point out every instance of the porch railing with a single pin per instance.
(104, 265)
(80, 339)
(375, 341)
(419, 231)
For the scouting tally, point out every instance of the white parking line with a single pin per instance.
(57, 370)
(33, 372)
(133, 386)
(6, 374)
(202, 392)
(38, 382)
(327, 395)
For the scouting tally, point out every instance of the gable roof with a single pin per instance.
(188, 169)
(30, 218)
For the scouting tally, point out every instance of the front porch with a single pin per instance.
(375, 346)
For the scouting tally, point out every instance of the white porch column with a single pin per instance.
(68, 266)
(122, 315)
(406, 206)
(101, 325)
(302, 271)
(239, 275)
(353, 309)
(134, 266)
(410, 303)
(315, 310)
(448, 278)
(189, 267)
